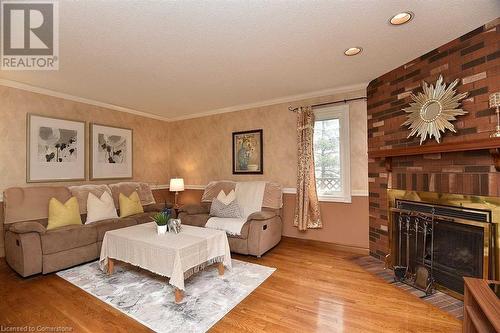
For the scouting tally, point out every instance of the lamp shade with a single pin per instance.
(176, 184)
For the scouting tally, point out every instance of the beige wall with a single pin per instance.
(343, 224)
(201, 151)
(150, 136)
(201, 147)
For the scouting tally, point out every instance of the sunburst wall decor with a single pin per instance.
(431, 111)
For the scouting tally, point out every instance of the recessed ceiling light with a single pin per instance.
(401, 18)
(352, 51)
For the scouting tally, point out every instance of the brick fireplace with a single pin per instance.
(474, 59)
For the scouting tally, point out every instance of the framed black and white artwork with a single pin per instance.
(111, 152)
(55, 149)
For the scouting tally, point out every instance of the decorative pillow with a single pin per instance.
(219, 209)
(61, 215)
(226, 199)
(130, 205)
(99, 209)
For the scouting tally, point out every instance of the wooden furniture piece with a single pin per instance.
(176, 256)
(491, 144)
(481, 307)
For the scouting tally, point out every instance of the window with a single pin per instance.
(331, 153)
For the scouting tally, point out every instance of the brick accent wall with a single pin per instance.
(474, 59)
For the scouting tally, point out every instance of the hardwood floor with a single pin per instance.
(314, 289)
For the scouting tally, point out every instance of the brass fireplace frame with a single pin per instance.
(491, 231)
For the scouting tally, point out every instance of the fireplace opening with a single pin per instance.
(438, 245)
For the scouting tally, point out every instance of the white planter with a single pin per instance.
(161, 229)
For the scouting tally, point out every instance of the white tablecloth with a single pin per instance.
(171, 255)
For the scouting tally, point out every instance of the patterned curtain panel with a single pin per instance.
(307, 214)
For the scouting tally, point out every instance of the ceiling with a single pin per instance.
(176, 59)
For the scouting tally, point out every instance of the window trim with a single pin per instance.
(340, 112)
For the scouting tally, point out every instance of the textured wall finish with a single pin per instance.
(200, 151)
(150, 136)
(201, 148)
(474, 59)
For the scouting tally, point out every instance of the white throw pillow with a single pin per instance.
(100, 209)
(226, 199)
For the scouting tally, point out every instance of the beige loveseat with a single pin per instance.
(31, 249)
(259, 234)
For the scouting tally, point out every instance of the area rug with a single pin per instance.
(149, 299)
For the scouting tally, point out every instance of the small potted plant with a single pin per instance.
(161, 220)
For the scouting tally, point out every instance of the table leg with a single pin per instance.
(220, 267)
(179, 295)
(111, 266)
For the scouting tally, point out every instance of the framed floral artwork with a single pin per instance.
(248, 152)
(111, 152)
(55, 149)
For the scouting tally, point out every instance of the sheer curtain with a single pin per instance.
(307, 213)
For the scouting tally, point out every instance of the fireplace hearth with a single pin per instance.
(437, 239)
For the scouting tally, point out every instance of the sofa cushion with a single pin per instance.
(68, 237)
(273, 197)
(81, 192)
(203, 208)
(64, 259)
(111, 224)
(143, 217)
(31, 203)
(157, 207)
(197, 220)
(127, 188)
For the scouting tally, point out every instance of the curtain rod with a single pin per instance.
(330, 103)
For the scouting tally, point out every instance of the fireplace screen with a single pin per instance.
(439, 244)
(458, 252)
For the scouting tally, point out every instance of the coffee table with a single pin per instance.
(177, 256)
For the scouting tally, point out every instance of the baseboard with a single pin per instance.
(335, 246)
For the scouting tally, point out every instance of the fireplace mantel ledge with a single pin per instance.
(491, 144)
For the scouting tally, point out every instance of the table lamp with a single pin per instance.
(495, 103)
(176, 185)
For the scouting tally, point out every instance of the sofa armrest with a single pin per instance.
(193, 209)
(262, 215)
(264, 235)
(26, 227)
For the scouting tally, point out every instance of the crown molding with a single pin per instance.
(48, 92)
(285, 99)
(240, 107)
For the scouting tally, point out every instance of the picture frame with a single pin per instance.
(55, 149)
(111, 152)
(248, 152)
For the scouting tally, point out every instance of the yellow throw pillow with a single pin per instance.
(130, 205)
(61, 215)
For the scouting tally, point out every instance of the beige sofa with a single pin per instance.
(31, 249)
(259, 234)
